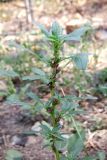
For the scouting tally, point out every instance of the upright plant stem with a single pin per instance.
(54, 67)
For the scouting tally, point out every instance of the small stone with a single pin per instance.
(105, 101)
(84, 104)
(36, 127)
(19, 140)
(101, 34)
(67, 136)
(99, 105)
(31, 140)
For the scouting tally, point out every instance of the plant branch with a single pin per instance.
(52, 86)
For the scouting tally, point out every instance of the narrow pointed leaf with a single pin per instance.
(31, 78)
(6, 73)
(76, 35)
(34, 97)
(38, 71)
(44, 30)
(44, 79)
(56, 29)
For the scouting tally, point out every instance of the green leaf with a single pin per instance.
(101, 155)
(45, 59)
(34, 96)
(13, 155)
(56, 133)
(56, 29)
(102, 89)
(60, 145)
(24, 105)
(38, 71)
(44, 30)
(14, 99)
(81, 60)
(58, 136)
(43, 78)
(64, 158)
(46, 131)
(66, 106)
(3, 93)
(71, 98)
(39, 105)
(5, 73)
(75, 144)
(31, 78)
(90, 158)
(47, 143)
(76, 35)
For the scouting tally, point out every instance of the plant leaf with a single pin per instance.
(3, 93)
(38, 71)
(45, 130)
(31, 78)
(101, 155)
(75, 144)
(13, 155)
(81, 60)
(5, 73)
(90, 158)
(34, 97)
(36, 77)
(76, 35)
(44, 30)
(64, 158)
(56, 29)
(14, 99)
(61, 145)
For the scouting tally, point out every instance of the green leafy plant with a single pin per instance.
(52, 132)
(58, 106)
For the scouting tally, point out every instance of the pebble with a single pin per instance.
(31, 140)
(19, 140)
(100, 105)
(36, 127)
(101, 34)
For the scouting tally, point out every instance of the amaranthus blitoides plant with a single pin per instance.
(56, 39)
(58, 106)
